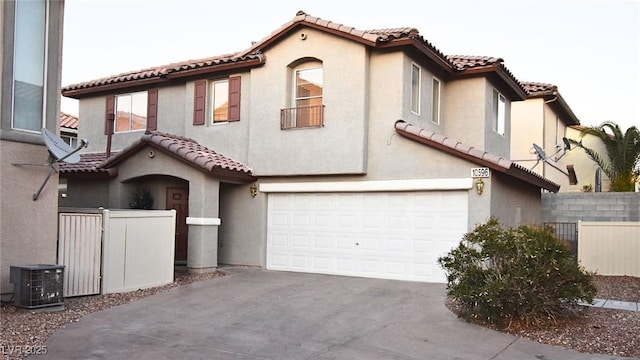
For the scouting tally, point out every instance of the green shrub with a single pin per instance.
(527, 274)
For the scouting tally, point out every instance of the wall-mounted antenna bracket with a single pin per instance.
(59, 151)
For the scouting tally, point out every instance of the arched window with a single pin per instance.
(307, 106)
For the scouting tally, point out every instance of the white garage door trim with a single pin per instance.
(392, 235)
(380, 185)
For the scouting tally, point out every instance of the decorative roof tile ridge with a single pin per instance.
(151, 133)
(538, 87)
(453, 144)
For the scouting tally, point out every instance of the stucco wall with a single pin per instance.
(526, 128)
(604, 206)
(585, 167)
(514, 203)
(469, 109)
(86, 193)
(336, 148)
(533, 121)
(243, 228)
(228, 138)
(466, 111)
(495, 143)
(28, 229)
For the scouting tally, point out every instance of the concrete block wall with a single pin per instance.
(590, 206)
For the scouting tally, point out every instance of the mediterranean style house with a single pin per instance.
(545, 119)
(321, 148)
(30, 101)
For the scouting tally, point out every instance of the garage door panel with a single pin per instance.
(300, 241)
(384, 235)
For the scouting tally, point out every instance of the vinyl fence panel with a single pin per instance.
(610, 248)
(79, 250)
(139, 248)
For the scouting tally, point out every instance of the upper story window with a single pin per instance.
(499, 112)
(29, 65)
(435, 101)
(308, 108)
(131, 112)
(415, 88)
(217, 100)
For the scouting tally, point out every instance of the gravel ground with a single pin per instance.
(602, 331)
(593, 330)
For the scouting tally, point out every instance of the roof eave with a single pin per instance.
(92, 90)
(518, 92)
(514, 170)
(421, 47)
(164, 78)
(98, 174)
(520, 173)
(244, 64)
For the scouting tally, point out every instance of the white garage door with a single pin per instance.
(390, 235)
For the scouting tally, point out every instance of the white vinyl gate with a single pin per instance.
(79, 250)
(115, 250)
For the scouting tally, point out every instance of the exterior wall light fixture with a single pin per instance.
(253, 188)
(479, 186)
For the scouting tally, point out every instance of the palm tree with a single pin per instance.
(622, 161)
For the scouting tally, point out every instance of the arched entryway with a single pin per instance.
(163, 192)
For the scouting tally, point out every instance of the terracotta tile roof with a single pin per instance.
(470, 64)
(552, 97)
(89, 164)
(464, 62)
(188, 151)
(400, 37)
(536, 87)
(164, 72)
(376, 37)
(474, 155)
(68, 121)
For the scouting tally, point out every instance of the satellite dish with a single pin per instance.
(59, 151)
(539, 152)
(543, 157)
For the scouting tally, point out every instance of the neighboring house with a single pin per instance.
(587, 170)
(69, 129)
(544, 119)
(321, 148)
(29, 101)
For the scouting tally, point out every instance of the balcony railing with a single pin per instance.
(302, 117)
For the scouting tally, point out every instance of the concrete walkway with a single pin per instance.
(257, 314)
(613, 304)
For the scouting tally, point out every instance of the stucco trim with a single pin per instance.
(370, 186)
(203, 221)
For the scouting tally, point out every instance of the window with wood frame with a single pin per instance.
(308, 108)
(216, 100)
(132, 111)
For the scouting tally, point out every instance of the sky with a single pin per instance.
(589, 49)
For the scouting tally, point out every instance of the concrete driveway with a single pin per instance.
(257, 314)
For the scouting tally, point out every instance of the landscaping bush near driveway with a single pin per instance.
(526, 274)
